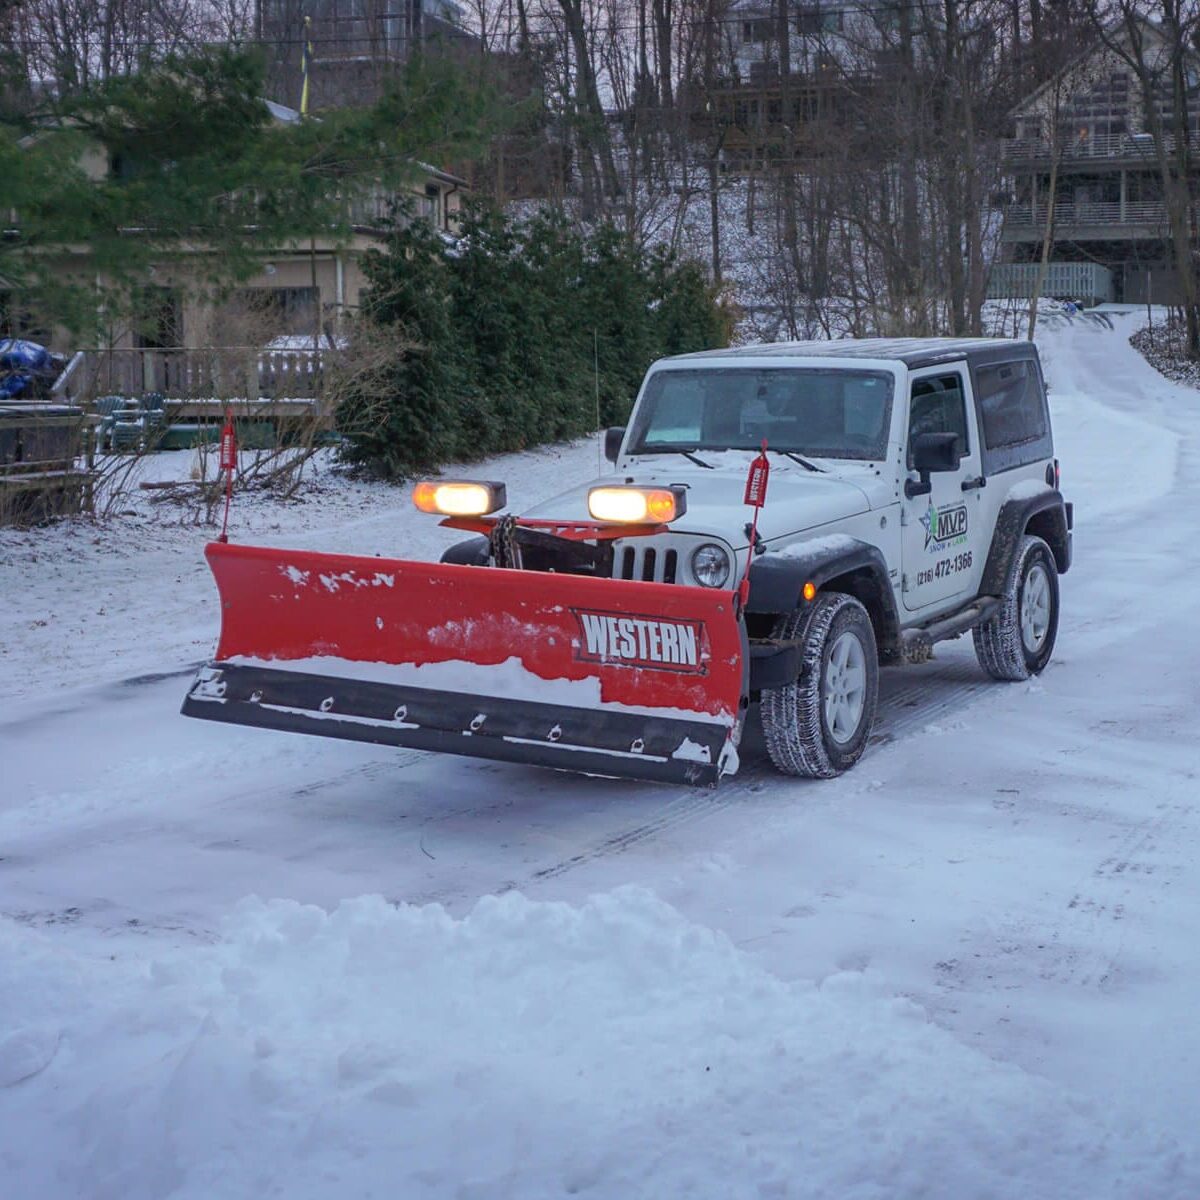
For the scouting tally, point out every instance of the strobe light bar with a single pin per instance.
(637, 505)
(459, 497)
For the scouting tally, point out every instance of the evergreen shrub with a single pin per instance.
(501, 334)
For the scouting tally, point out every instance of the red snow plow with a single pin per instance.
(593, 674)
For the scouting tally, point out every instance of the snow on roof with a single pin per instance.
(908, 350)
(281, 112)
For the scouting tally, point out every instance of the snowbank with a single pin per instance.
(527, 1050)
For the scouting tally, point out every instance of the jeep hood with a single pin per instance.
(797, 499)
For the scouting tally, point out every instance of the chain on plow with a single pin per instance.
(503, 548)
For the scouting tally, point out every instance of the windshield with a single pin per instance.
(823, 412)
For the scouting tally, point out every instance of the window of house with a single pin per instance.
(756, 32)
(887, 15)
(279, 310)
(938, 406)
(1010, 404)
(158, 319)
(815, 21)
(18, 321)
(432, 208)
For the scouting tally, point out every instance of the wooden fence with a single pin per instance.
(197, 383)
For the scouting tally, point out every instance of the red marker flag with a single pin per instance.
(228, 463)
(756, 480)
(228, 458)
(756, 496)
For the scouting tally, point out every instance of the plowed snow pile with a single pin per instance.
(528, 1050)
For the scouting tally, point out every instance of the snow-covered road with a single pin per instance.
(965, 969)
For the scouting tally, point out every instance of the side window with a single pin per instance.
(1010, 404)
(938, 406)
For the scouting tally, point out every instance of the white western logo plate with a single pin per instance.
(620, 639)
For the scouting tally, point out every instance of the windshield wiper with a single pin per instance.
(674, 450)
(797, 458)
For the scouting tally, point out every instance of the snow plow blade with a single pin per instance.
(611, 677)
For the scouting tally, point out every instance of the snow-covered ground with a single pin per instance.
(966, 969)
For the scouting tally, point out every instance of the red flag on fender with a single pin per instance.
(756, 496)
(756, 480)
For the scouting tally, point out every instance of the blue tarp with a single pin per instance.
(23, 367)
(18, 355)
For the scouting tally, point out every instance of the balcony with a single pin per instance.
(1102, 219)
(200, 384)
(1114, 147)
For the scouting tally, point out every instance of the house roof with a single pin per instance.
(1114, 31)
(281, 112)
(443, 176)
(290, 116)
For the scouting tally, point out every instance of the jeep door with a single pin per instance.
(943, 539)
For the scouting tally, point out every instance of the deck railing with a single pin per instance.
(1132, 212)
(197, 379)
(1073, 146)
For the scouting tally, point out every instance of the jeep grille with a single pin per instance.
(649, 563)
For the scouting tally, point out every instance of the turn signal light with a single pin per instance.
(809, 591)
(635, 506)
(459, 497)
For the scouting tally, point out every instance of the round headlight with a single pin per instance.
(710, 566)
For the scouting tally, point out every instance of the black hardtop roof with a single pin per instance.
(913, 352)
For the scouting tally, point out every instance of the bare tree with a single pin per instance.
(1161, 55)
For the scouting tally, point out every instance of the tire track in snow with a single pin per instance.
(906, 705)
(910, 699)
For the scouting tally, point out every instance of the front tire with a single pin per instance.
(818, 726)
(1018, 640)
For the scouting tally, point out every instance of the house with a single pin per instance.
(303, 290)
(840, 54)
(353, 48)
(1086, 129)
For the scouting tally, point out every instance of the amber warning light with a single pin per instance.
(637, 506)
(459, 497)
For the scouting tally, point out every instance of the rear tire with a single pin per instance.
(818, 726)
(1018, 640)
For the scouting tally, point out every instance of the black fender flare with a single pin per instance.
(856, 567)
(1045, 514)
(470, 553)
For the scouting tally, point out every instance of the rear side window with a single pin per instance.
(1011, 406)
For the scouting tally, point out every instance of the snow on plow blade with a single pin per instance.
(644, 680)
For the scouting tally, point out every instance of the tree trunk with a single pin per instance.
(594, 139)
(662, 43)
(1048, 238)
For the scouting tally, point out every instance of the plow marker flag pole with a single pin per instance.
(228, 464)
(756, 497)
(608, 676)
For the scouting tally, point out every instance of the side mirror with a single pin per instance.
(932, 452)
(936, 452)
(612, 442)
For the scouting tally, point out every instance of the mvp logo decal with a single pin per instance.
(944, 526)
(639, 641)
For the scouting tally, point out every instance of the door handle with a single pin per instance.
(969, 485)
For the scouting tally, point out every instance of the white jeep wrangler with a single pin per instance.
(913, 495)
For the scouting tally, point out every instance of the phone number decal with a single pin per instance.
(950, 565)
